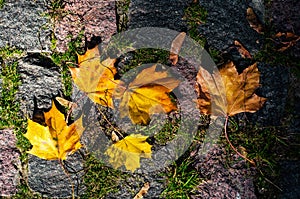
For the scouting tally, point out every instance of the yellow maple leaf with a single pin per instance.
(239, 90)
(128, 152)
(57, 139)
(94, 77)
(147, 94)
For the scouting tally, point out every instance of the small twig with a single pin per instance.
(226, 136)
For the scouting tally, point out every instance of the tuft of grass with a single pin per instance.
(265, 146)
(182, 180)
(100, 179)
(9, 106)
(25, 193)
(63, 60)
(195, 15)
(2, 3)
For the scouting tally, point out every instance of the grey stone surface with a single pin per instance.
(40, 78)
(157, 13)
(284, 16)
(274, 81)
(9, 163)
(290, 179)
(50, 180)
(226, 175)
(23, 25)
(226, 22)
(259, 7)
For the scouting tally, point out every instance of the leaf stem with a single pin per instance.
(69, 177)
(226, 136)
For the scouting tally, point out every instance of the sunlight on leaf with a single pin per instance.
(147, 94)
(95, 78)
(57, 139)
(128, 152)
(239, 90)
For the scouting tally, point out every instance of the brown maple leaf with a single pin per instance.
(229, 93)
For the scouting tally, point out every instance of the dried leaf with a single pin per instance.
(287, 40)
(239, 91)
(95, 78)
(176, 46)
(253, 21)
(128, 152)
(143, 191)
(66, 103)
(56, 140)
(147, 94)
(242, 50)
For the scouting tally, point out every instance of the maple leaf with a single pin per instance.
(242, 50)
(254, 21)
(239, 90)
(147, 94)
(94, 77)
(55, 140)
(128, 152)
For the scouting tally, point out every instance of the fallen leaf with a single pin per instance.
(128, 152)
(254, 21)
(56, 140)
(66, 103)
(176, 46)
(147, 94)
(242, 50)
(94, 77)
(287, 40)
(143, 191)
(239, 90)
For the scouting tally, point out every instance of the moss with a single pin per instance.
(68, 58)
(122, 17)
(100, 179)
(2, 3)
(195, 15)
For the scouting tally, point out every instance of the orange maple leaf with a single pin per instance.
(147, 94)
(239, 90)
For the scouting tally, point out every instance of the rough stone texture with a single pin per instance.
(226, 176)
(226, 22)
(49, 179)
(274, 81)
(9, 163)
(290, 178)
(131, 185)
(259, 7)
(157, 13)
(94, 17)
(23, 26)
(285, 15)
(40, 78)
